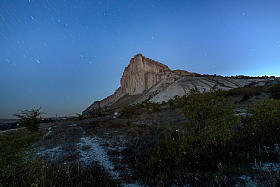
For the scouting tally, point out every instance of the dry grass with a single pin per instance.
(266, 174)
(129, 143)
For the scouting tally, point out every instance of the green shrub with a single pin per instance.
(137, 109)
(247, 92)
(128, 111)
(28, 119)
(274, 91)
(263, 120)
(205, 139)
(155, 107)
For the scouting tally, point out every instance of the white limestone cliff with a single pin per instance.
(145, 79)
(140, 75)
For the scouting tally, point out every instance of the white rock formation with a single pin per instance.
(145, 79)
(140, 75)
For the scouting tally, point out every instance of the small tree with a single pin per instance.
(28, 119)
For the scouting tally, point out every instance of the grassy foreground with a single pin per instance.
(17, 168)
(219, 138)
(226, 134)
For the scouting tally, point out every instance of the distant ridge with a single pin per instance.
(145, 78)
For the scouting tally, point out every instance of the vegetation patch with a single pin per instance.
(215, 144)
(19, 168)
(216, 138)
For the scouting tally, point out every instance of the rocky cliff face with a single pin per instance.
(140, 75)
(145, 79)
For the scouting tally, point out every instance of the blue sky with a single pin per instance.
(63, 55)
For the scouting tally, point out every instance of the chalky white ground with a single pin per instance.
(95, 152)
(90, 149)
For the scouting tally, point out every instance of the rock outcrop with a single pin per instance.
(145, 79)
(140, 75)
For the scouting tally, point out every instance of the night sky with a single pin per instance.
(63, 55)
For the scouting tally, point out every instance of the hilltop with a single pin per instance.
(147, 79)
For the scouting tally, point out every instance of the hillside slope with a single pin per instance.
(146, 79)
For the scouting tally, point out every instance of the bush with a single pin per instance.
(128, 111)
(263, 120)
(247, 92)
(28, 119)
(155, 107)
(205, 140)
(274, 91)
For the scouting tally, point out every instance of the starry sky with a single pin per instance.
(62, 55)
